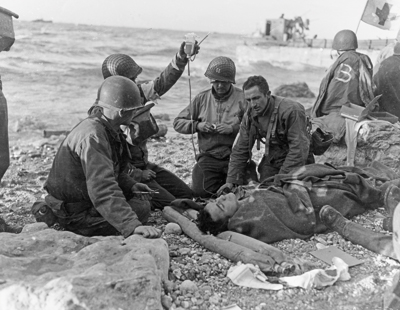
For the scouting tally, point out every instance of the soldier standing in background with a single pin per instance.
(6, 41)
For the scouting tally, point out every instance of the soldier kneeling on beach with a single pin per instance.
(89, 192)
(215, 115)
(165, 184)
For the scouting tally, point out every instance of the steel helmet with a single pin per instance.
(120, 64)
(118, 93)
(221, 69)
(345, 40)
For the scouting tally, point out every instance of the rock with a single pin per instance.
(375, 141)
(61, 270)
(23, 158)
(173, 228)
(162, 131)
(169, 286)
(185, 304)
(214, 299)
(33, 227)
(206, 288)
(188, 286)
(184, 251)
(295, 90)
(166, 301)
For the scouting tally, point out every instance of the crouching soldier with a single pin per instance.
(89, 194)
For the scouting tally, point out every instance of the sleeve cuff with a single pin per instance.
(131, 228)
(179, 63)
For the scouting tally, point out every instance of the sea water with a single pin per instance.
(52, 72)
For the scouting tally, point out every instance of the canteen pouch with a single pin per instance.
(142, 126)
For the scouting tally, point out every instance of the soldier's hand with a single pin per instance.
(142, 191)
(147, 232)
(182, 53)
(224, 129)
(147, 175)
(225, 189)
(205, 127)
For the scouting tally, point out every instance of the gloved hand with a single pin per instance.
(205, 127)
(147, 175)
(147, 231)
(226, 189)
(224, 129)
(142, 191)
(182, 53)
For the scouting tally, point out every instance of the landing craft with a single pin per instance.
(287, 40)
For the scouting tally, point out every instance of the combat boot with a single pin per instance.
(391, 198)
(332, 219)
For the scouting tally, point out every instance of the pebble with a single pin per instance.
(173, 228)
(185, 304)
(188, 286)
(166, 301)
(23, 158)
(177, 273)
(214, 299)
(206, 288)
(169, 286)
(184, 251)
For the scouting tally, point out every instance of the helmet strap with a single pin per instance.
(109, 106)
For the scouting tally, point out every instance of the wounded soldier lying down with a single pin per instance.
(296, 205)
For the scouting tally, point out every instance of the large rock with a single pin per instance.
(295, 90)
(57, 270)
(379, 141)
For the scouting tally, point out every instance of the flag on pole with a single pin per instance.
(381, 13)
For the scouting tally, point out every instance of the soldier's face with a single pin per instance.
(256, 99)
(223, 207)
(221, 87)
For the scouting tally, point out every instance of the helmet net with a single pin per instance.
(120, 64)
(221, 69)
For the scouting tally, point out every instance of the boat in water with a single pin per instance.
(284, 41)
(40, 20)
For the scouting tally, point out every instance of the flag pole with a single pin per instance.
(358, 25)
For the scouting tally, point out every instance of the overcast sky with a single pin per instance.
(234, 16)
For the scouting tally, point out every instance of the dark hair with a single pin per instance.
(206, 223)
(259, 81)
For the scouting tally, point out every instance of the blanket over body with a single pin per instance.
(289, 205)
